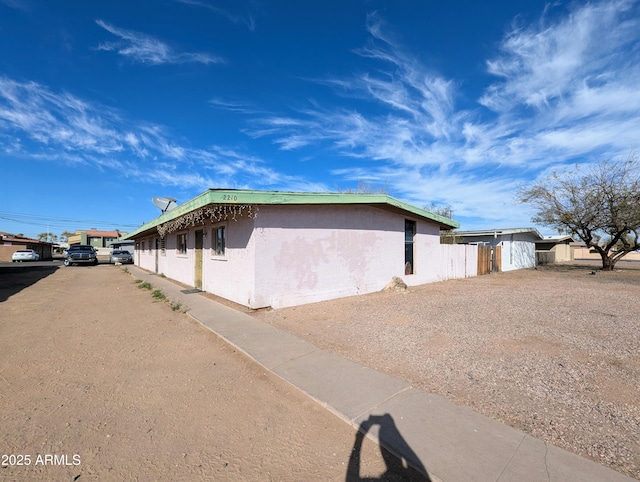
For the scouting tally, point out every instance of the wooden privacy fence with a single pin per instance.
(458, 261)
(489, 259)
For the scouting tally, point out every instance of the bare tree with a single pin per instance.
(600, 205)
(443, 210)
(364, 187)
(447, 236)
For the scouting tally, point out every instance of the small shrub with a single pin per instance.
(145, 285)
(158, 295)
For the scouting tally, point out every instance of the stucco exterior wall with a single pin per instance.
(172, 264)
(563, 252)
(427, 261)
(144, 254)
(297, 254)
(518, 252)
(231, 276)
(313, 253)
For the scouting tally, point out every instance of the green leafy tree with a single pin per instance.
(47, 237)
(600, 205)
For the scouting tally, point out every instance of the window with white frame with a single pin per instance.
(182, 243)
(219, 237)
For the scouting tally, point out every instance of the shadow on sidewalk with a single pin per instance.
(407, 467)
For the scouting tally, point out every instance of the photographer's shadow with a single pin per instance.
(405, 467)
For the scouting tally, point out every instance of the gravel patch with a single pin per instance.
(554, 352)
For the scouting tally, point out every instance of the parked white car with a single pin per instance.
(25, 255)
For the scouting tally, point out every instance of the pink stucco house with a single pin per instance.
(266, 248)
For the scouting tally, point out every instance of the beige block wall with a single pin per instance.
(583, 253)
(7, 251)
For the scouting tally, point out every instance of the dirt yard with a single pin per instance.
(554, 352)
(100, 382)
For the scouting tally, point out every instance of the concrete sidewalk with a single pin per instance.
(451, 443)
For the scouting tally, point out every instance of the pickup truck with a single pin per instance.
(81, 254)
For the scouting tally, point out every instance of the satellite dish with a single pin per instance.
(165, 203)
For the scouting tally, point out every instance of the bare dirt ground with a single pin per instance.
(101, 382)
(554, 352)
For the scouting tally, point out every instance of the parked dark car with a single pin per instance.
(81, 254)
(120, 256)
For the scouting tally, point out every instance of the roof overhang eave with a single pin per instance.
(227, 197)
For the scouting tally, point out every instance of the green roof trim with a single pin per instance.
(258, 198)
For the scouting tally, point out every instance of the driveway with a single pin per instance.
(102, 382)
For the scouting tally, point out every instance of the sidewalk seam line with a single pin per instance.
(511, 458)
(299, 356)
(383, 401)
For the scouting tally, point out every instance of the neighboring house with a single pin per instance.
(60, 247)
(128, 245)
(10, 243)
(518, 245)
(265, 248)
(96, 238)
(554, 249)
(581, 251)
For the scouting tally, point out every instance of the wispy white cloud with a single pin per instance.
(570, 81)
(29, 108)
(561, 90)
(37, 123)
(544, 63)
(235, 106)
(247, 20)
(148, 50)
(418, 111)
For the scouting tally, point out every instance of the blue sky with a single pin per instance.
(104, 105)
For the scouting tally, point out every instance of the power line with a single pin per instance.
(58, 222)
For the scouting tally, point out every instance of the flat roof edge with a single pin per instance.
(272, 198)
